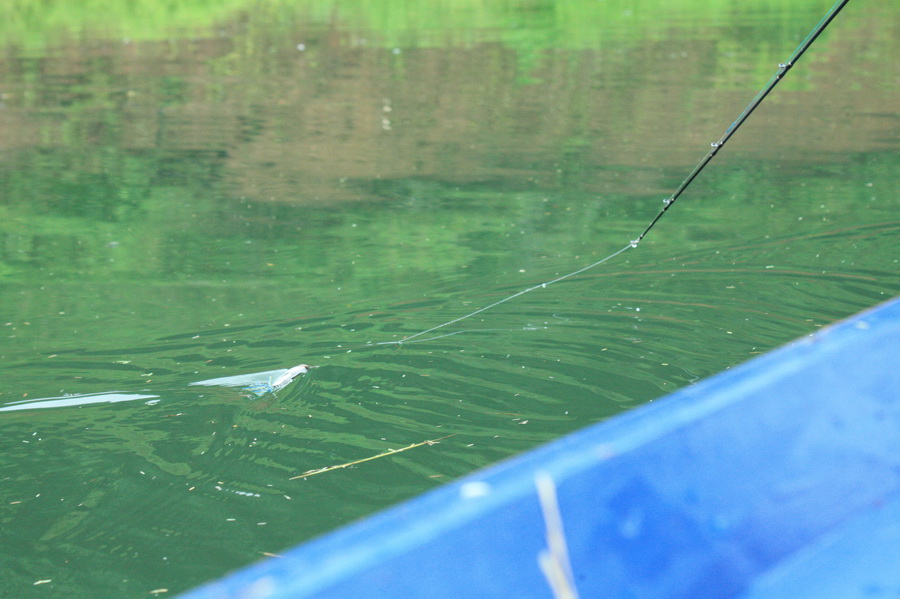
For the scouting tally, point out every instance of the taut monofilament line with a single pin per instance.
(783, 68)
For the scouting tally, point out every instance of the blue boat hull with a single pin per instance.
(779, 478)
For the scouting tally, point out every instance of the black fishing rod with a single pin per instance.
(667, 203)
(783, 68)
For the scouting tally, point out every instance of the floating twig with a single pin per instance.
(309, 473)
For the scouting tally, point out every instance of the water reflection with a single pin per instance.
(178, 213)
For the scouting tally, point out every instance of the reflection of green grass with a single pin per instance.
(519, 23)
(177, 235)
(36, 23)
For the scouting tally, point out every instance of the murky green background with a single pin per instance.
(191, 190)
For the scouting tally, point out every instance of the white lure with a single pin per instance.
(261, 388)
(260, 383)
(290, 375)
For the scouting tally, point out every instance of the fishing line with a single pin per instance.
(504, 300)
(783, 68)
(452, 333)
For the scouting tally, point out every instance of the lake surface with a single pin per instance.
(190, 193)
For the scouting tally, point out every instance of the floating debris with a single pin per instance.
(309, 473)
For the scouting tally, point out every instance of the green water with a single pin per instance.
(190, 192)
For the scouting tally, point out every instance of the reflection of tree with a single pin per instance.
(292, 133)
(184, 209)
